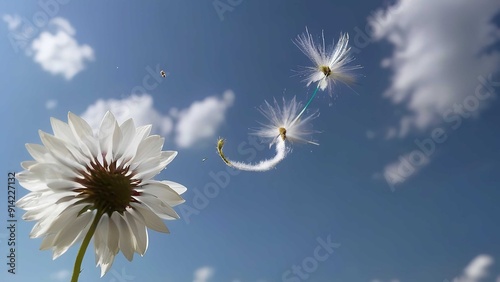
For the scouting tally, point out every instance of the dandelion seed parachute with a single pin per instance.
(284, 125)
(287, 116)
(330, 65)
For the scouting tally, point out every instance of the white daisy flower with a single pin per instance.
(330, 65)
(83, 184)
(284, 124)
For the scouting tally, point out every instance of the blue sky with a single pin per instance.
(403, 184)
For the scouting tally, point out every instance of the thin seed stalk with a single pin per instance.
(308, 102)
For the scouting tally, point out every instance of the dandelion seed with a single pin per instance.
(281, 152)
(330, 65)
(283, 126)
(284, 121)
(84, 185)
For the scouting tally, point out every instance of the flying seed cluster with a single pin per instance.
(329, 69)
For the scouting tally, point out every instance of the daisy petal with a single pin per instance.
(151, 219)
(158, 207)
(126, 240)
(138, 227)
(164, 192)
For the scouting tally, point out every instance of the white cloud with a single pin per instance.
(61, 275)
(478, 267)
(196, 123)
(476, 270)
(203, 274)
(370, 134)
(62, 25)
(51, 104)
(202, 119)
(140, 108)
(440, 49)
(391, 133)
(392, 176)
(405, 167)
(173, 112)
(58, 52)
(238, 280)
(13, 21)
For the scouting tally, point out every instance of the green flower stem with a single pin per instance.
(83, 247)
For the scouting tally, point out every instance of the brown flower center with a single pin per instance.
(326, 70)
(107, 187)
(282, 133)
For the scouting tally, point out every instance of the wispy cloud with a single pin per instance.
(194, 124)
(370, 134)
(57, 50)
(203, 274)
(51, 104)
(437, 66)
(201, 120)
(140, 108)
(436, 59)
(13, 21)
(477, 270)
(61, 275)
(405, 167)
